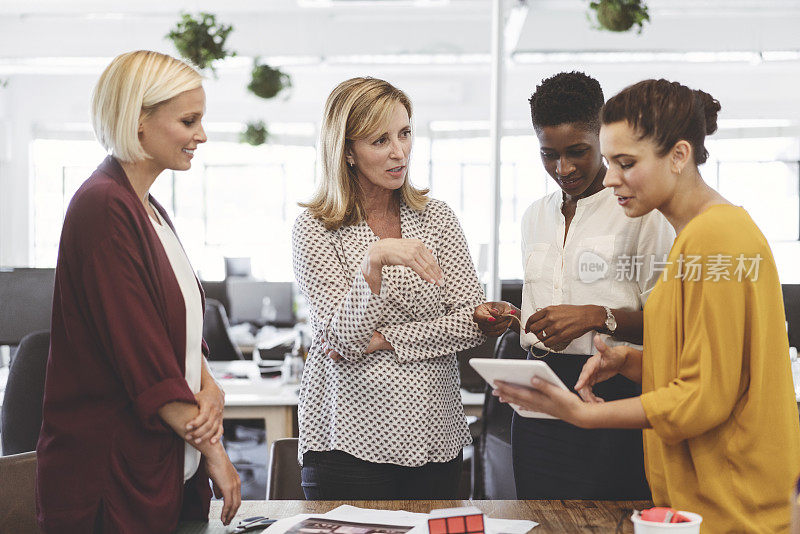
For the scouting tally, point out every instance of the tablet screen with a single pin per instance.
(517, 372)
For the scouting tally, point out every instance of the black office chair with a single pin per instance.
(791, 302)
(470, 379)
(217, 290)
(21, 415)
(493, 473)
(283, 479)
(17, 494)
(215, 331)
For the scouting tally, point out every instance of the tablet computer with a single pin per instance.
(517, 372)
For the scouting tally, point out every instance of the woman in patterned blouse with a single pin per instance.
(391, 288)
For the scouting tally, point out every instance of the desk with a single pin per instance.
(268, 399)
(552, 516)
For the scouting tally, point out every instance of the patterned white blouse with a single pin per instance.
(401, 406)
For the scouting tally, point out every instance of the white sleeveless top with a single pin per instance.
(194, 322)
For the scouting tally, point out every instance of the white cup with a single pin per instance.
(641, 526)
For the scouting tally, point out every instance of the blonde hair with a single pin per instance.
(131, 88)
(355, 109)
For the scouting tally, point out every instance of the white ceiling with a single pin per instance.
(33, 28)
(438, 50)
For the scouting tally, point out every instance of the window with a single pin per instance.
(461, 176)
(237, 200)
(760, 175)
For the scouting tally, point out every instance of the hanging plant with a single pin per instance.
(255, 134)
(266, 81)
(201, 40)
(620, 15)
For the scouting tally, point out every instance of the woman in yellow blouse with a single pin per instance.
(722, 436)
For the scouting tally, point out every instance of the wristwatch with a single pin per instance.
(611, 321)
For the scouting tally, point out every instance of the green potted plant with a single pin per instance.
(620, 15)
(266, 81)
(255, 133)
(201, 40)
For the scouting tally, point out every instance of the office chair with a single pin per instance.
(791, 301)
(215, 331)
(217, 290)
(17, 494)
(493, 473)
(470, 379)
(21, 415)
(283, 479)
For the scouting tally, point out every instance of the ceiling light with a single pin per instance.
(724, 56)
(371, 3)
(410, 59)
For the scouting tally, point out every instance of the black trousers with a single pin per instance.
(556, 460)
(337, 475)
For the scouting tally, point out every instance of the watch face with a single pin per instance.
(611, 321)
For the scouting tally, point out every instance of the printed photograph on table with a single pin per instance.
(316, 525)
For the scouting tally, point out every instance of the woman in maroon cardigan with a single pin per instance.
(127, 386)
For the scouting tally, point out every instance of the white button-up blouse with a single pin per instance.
(608, 259)
(401, 406)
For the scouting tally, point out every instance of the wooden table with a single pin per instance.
(553, 516)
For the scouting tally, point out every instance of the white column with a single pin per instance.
(495, 134)
(16, 235)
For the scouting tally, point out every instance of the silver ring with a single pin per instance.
(544, 334)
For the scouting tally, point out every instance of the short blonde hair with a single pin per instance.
(132, 87)
(355, 109)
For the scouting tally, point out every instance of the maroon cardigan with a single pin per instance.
(117, 354)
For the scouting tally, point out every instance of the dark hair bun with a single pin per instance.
(711, 107)
(665, 112)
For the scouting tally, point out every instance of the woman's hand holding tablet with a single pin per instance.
(517, 372)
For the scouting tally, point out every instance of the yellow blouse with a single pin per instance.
(725, 441)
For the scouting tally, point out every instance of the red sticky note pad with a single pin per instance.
(437, 526)
(467, 520)
(456, 525)
(475, 523)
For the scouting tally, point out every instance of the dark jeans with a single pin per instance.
(556, 460)
(336, 475)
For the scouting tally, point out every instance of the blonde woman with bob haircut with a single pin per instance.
(132, 417)
(391, 288)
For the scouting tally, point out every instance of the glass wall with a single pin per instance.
(239, 200)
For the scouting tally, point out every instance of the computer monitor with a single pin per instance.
(26, 302)
(217, 290)
(246, 298)
(237, 267)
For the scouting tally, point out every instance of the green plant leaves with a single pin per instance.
(255, 133)
(201, 40)
(620, 15)
(267, 82)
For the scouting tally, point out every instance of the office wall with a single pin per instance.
(57, 105)
(54, 102)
